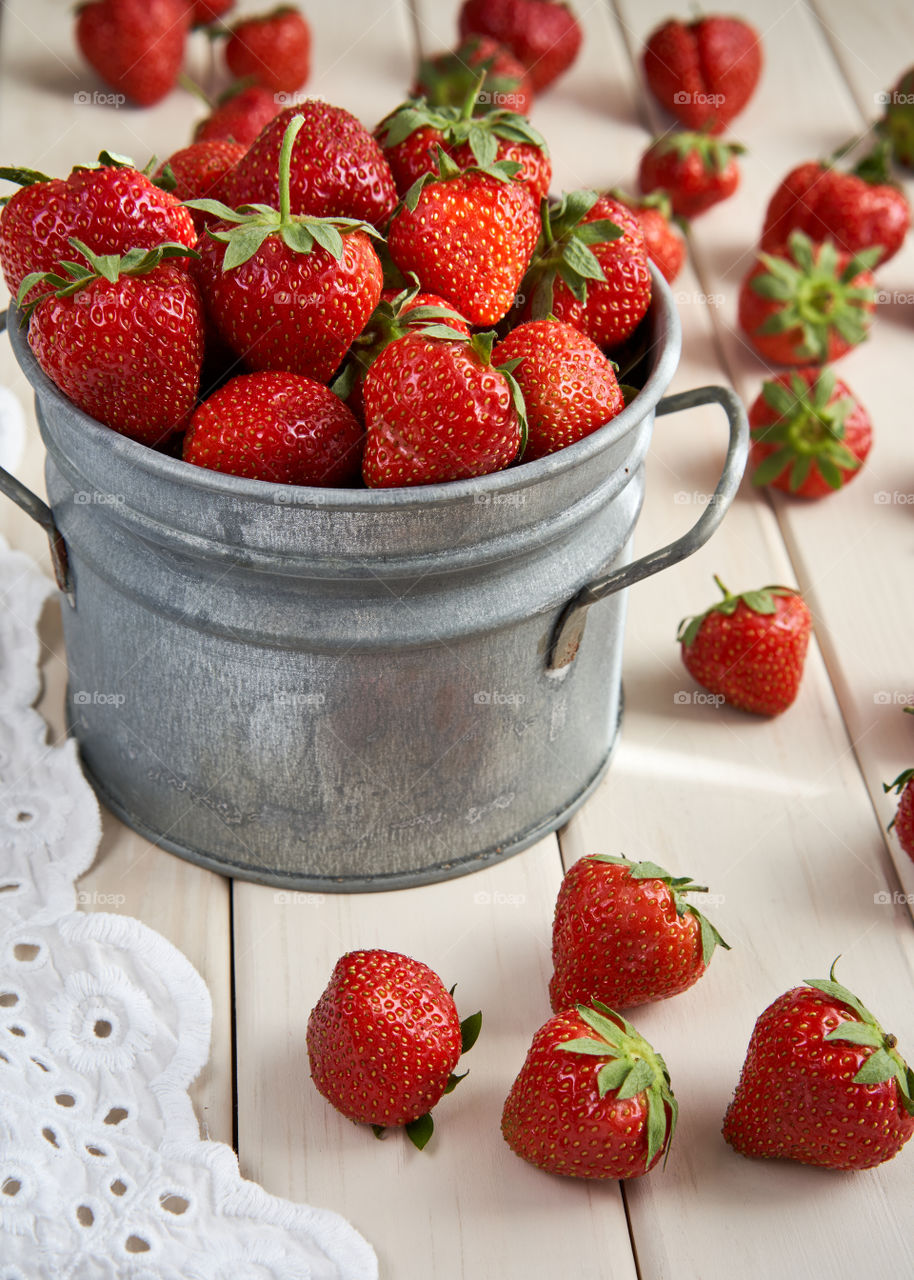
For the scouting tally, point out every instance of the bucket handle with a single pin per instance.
(569, 629)
(40, 512)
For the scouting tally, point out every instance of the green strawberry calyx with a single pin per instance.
(458, 125)
(565, 250)
(634, 1067)
(885, 1062)
(447, 169)
(253, 223)
(810, 293)
(714, 153)
(763, 601)
(70, 276)
(900, 782)
(809, 430)
(482, 344)
(678, 887)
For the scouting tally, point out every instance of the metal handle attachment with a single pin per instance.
(569, 629)
(40, 512)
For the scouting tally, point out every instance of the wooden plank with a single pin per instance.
(44, 86)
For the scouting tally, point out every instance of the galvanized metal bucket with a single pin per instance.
(347, 689)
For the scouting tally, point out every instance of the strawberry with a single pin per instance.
(569, 386)
(750, 648)
(239, 116)
(592, 1100)
(663, 239)
(810, 433)
(271, 49)
(111, 207)
(858, 210)
(198, 171)
(590, 268)
(903, 821)
(337, 169)
(703, 72)
(897, 123)
(822, 1083)
(277, 426)
(468, 235)
(447, 79)
(122, 337)
(384, 1039)
(287, 291)
(806, 303)
(203, 12)
(412, 134)
(695, 170)
(544, 35)
(136, 46)
(436, 409)
(623, 933)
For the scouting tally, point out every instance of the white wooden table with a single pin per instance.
(785, 820)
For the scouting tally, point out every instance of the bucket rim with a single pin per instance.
(662, 312)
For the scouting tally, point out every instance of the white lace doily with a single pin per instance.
(103, 1025)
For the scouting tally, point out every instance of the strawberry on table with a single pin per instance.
(624, 933)
(859, 210)
(664, 241)
(199, 170)
(136, 46)
(468, 236)
(446, 79)
(897, 123)
(903, 821)
(436, 409)
(703, 72)
(568, 384)
(277, 426)
(384, 1039)
(284, 290)
(271, 49)
(695, 170)
(822, 1083)
(110, 206)
(239, 115)
(122, 337)
(590, 268)
(807, 303)
(544, 35)
(593, 1098)
(810, 433)
(750, 648)
(336, 168)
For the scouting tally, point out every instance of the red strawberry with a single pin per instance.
(122, 338)
(822, 1084)
(110, 207)
(271, 49)
(903, 822)
(544, 35)
(240, 115)
(384, 1039)
(663, 239)
(807, 304)
(750, 648)
(569, 386)
(447, 79)
(703, 72)
(856, 210)
(203, 12)
(897, 123)
(412, 134)
(199, 170)
(435, 410)
(694, 169)
(136, 46)
(467, 236)
(337, 169)
(287, 291)
(809, 433)
(277, 426)
(590, 268)
(592, 1100)
(623, 933)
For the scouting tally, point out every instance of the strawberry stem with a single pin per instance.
(285, 163)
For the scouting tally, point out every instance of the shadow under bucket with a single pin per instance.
(351, 689)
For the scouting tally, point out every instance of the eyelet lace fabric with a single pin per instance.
(103, 1026)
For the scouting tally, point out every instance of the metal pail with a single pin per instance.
(351, 689)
